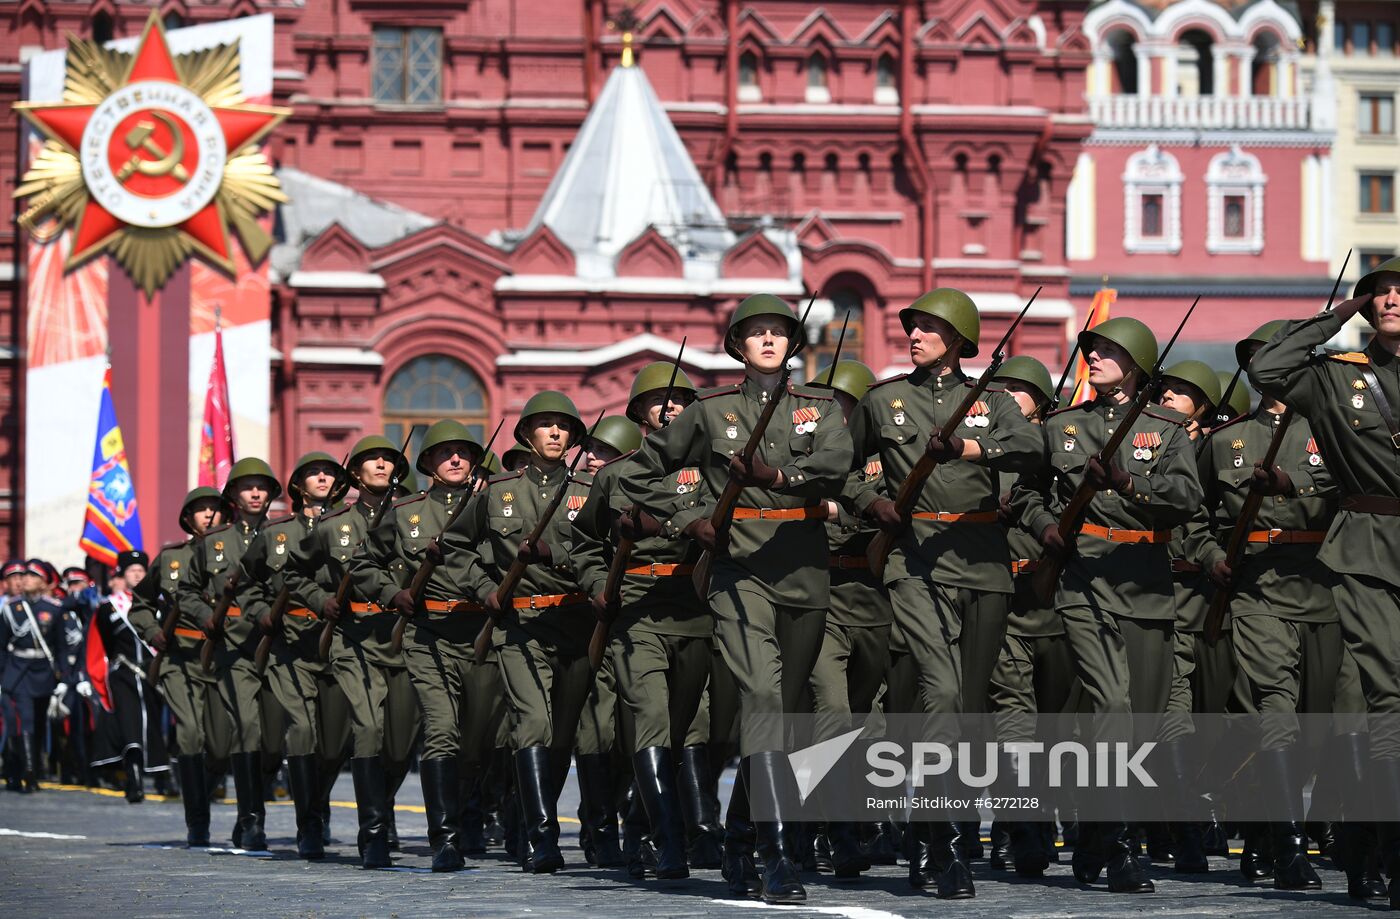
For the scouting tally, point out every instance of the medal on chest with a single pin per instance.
(345, 534)
(898, 406)
(1237, 445)
(804, 420)
(1144, 443)
(687, 479)
(507, 508)
(1070, 432)
(1314, 454)
(732, 432)
(978, 415)
(219, 551)
(1358, 401)
(575, 504)
(413, 525)
(175, 569)
(873, 470)
(281, 544)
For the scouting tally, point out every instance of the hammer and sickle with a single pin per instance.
(139, 139)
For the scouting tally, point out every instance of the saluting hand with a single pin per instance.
(702, 533)
(752, 474)
(944, 451)
(1348, 308)
(885, 514)
(635, 525)
(1107, 478)
(403, 604)
(536, 553)
(1272, 481)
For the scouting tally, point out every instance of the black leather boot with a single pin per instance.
(372, 808)
(848, 858)
(999, 859)
(738, 867)
(135, 782)
(1186, 842)
(918, 847)
(1384, 785)
(441, 786)
(597, 811)
(970, 839)
(306, 792)
(473, 818)
(1213, 839)
(32, 764)
(655, 781)
(637, 850)
(879, 844)
(252, 812)
(1026, 842)
(537, 802)
(1256, 863)
(1124, 871)
(705, 834)
(194, 795)
(770, 785)
(936, 856)
(1277, 771)
(1088, 861)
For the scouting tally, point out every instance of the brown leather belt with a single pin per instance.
(1185, 566)
(846, 562)
(301, 612)
(660, 571)
(189, 633)
(363, 608)
(545, 601)
(1372, 504)
(1118, 534)
(453, 606)
(1024, 565)
(947, 517)
(1288, 537)
(779, 513)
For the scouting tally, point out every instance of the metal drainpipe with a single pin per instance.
(287, 341)
(919, 171)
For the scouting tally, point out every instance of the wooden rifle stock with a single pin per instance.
(216, 623)
(612, 592)
(274, 622)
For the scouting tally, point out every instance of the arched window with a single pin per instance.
(1264, 70)
(103, 28)
(817, 88)
(824, 331)
(1123, 46)
(428, 389)
(1235, 197)
(749, 90)
(1196, 64)
(886, 81)
(173, 20)
(1152, 202)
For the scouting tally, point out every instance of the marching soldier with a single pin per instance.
(317, 720)
(768, 590)
(203, 733)
(947, 574)
(1115, 593)
(31, 638)
(251, 488)
(1351, 402)
(459, 701)
(542, 647)
(659, 642)
(383, 712)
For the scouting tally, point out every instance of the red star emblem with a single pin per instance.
(140, 150)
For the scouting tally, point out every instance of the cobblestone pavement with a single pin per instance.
(72, 852)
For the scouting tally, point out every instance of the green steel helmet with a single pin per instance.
(367, 445)
(1025, 369)
(1367, 284)
(342, 485)
(1238, 398)
(653, 378)
(514, 458)
(1127, 333)
(550, 400)
(446, 431)
(202, 493)
(850, 377)
(761, 305)
(1260, 335)
(953, 307)
(251, 466)
(617, 432)
(1200, 375)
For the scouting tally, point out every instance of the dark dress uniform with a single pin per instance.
(135, 720)
(31, 636)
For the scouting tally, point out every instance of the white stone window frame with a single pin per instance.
(1235, 173)
(1152, 172)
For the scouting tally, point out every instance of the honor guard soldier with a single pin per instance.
(768, 584)
(659, 635)
(383, 711)
(542, 642)
(251, 488)
(31, 636)
(317, 720)
(1351, 401)
(1115, 592)
(947, 573)
(460, 701)
(203, 732)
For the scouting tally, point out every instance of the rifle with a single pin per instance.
(283, 598)
(612, 587)
(167, 628)
(1220, 602)
(216, 623)
(1054, 397)
(1047, 575)
(517, 567)
(908, 495)
(723, 516)
(429, 564)
(342, 589)
(1222, 411)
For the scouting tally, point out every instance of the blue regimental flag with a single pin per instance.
(113, 524)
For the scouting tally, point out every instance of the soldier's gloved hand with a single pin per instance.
(403, 604)
(1107, 478)
(84, 689)
(1221, 574)
(601, 606)
(752, 474)
(884, 513)
(1271, 482)
(536, 553)
(943, 451)
(330, 610)
(702, 533)
(1051, 539)
(159, 642)
(433, 553)
(60, 690)
(638, 525)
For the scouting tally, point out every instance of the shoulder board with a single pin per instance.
(583, 478)
(280, 520)
(218, 529)
(335, 513)
(1348, 357)
(505, 476)
(879, 383)
(416, 496)
(717, 391)
(177, 544)
(811, 392)
(1229, 424)
(1067, 408)
(618, 459)
(1162, 413)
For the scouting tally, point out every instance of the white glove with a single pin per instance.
(60, 690)
(57, 710)
(84, 689)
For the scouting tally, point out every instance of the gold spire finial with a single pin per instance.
(627, 56)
